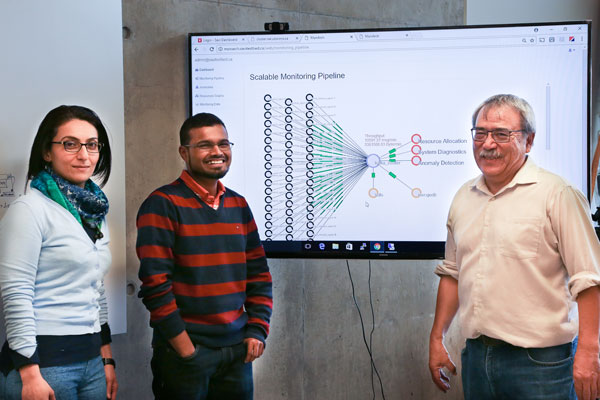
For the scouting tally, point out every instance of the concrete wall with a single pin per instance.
(315, 349)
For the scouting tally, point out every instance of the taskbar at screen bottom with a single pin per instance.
(375, 249)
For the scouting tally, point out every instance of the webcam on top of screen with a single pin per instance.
(277, 27)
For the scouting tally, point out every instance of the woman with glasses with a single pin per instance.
(53, 258)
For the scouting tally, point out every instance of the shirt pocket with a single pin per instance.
(520, 237)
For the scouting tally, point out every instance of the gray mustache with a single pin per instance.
(491, 154)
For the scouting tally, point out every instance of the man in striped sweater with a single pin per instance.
(205, 278)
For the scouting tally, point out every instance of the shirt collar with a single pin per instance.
(201, 192)
(527, 174)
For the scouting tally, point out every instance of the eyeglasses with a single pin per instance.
(499, 135)
(207, 146)
(73, 146)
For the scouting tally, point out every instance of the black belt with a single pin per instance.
(488, 341)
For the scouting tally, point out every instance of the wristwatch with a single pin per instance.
(109, 361)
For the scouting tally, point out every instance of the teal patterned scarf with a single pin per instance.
(88, 205)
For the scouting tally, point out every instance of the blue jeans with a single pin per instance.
(498, 371)
(212, 373)
(78, 381)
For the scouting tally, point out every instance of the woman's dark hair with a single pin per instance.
(48, 129)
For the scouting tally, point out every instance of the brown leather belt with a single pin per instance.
(488, 341)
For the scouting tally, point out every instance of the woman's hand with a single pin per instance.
(34, 386)
(109, 371)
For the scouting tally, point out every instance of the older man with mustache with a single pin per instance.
(522, 262)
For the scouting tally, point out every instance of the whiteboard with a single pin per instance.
(64, 52)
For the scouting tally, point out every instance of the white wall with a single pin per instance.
(64, 52)
(514, 11)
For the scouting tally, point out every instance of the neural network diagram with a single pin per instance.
(312, 164)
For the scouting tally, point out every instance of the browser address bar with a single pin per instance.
(380, 45)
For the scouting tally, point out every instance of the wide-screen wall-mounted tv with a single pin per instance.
(352, 144)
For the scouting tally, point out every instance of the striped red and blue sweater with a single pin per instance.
(202, 270)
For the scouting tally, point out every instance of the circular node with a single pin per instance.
(310, 225)
(310, 157)
(309, 97)
(288, 178)
(373, 192)
(310, 173)
(268, 165)
(288, 110)
(288, 161)
(268, 149)
(310, 199)
(268, 132)
(310, 233)
(268, 199)
(288, 102)
(309, 114)
(268, 157)
(309, 131)
(268, 115)
(268, 182)
(268, 191)
(268, 123)
(310, 165)
(268, 207)
(309, 140)
(268, 174)
(289, 203)
(288, 128)
(289, 153)
(268, 140)
(309, 106)
(288, 144)
(289, 136)
(268, 106)
(289, 237)
(289, 213)
(310, 191)
(268, 224)
(289, 229)
(268, 216)
(309, 122)
(310, 208)
(289, 169)
(309, 182)
(289, 187)
(416, 138)
(289, 195)
(416, 160)
(416, 193)
(310, 148)
(268, 233)
(267, 97)
(373, 160)
(416, 149)
(310, 216)
(288, 118)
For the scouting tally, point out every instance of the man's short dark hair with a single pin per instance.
(199, 120)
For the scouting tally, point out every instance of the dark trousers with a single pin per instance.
(496, 370)
(212, 373)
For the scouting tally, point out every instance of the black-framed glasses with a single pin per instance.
(206, 146)
(73, 146)
(499, 135)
